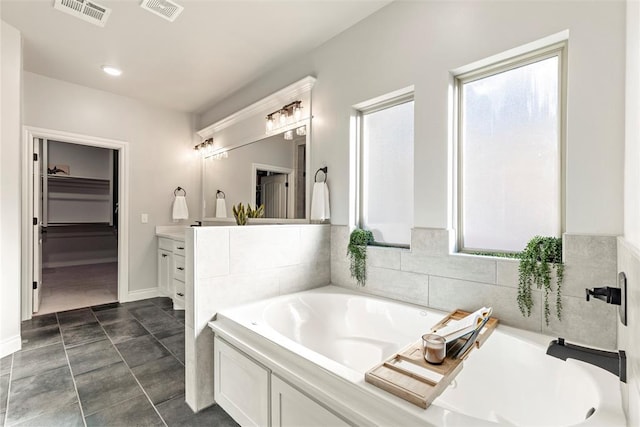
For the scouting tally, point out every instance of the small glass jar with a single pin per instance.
(434, 348)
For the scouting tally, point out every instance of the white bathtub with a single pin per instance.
(509, 381)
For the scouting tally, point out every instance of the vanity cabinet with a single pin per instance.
(171, 265)
(254, 396)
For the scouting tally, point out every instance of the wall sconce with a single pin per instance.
(291, 110)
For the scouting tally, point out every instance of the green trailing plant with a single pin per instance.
(241, 213)
(537, 260)
(357, 251)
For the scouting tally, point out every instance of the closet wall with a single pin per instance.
(78, 209)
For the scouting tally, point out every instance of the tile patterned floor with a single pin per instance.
(108, 365)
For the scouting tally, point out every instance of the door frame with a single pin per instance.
(122, 147)
(271, 168)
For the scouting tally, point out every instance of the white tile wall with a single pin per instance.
(235, 265)
(428, 274)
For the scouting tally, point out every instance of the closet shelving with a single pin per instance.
(78, 199)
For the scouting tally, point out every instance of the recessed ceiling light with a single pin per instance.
(112, 71)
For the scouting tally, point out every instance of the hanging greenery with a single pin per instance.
(357, 251)
(541, 255)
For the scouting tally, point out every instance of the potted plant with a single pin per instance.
(357, 251)
(241, 214)
(537, 260)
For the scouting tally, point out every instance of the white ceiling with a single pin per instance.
(212, 49)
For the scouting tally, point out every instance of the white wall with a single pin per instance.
(629, 245)
(160, 149)
(420, 43)
(10, 201)
(84, 161)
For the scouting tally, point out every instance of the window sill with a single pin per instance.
(388, 245)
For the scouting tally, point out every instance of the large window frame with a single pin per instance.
(384, 102)
(558, 50)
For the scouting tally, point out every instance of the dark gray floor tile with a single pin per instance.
(108, 306)
(87, 357)
(38, 360)
(150, 313)
(67, 416)
(40, 337)
(39, 394)
(72, 318)
(176, 412)
(136, 304)
(105, 387)
(169, 333)
(155, 319)
(113, 315)
(5, 364)
(125, 330)
(39, 322)
(161, 379)
(135, 412)
(175, 344)
(4, 392)
(82, 334)
(164, 303)
(177, 314)
(141, 350)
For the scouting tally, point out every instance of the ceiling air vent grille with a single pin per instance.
(85, 10)
(164, 8)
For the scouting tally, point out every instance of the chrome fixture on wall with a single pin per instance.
(205, 147)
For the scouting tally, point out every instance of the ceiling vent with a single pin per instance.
(85, 10)
(165, 8)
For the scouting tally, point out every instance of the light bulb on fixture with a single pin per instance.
(111, 70)
(270, 123)
(297, 111)
(301, 131)
(288, 135)
(283, 117)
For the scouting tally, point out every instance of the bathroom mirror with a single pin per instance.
(271, 171)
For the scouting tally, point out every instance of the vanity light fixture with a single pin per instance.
(111, 70)
(288, 135)
(205, 147)
(291, 111)
(301, 131)
(220, 156)
(270, 122)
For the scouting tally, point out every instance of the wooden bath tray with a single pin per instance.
(407, 375)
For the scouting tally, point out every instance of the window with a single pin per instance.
(386, 166)
(509, 153)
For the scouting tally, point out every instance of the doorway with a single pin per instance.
(75, 249)
(77, 227)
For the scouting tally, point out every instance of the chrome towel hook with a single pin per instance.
(324, 169)
(175, 192)
(220, 194)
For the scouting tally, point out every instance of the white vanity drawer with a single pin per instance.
(178, 267)
(166, 244)
(178, 247)
(178, 295)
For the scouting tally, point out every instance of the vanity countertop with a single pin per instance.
(170, 232)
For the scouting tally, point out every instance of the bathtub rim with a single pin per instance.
(367, 404)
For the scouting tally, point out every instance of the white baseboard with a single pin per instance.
(140, 294)
(10, 345)
(57, 264)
